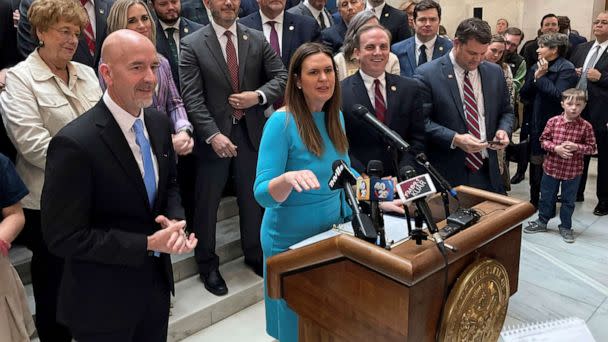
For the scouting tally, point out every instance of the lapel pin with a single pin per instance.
(186, 29)
(393, 88)
(165, 155)
(101, 11)
(450, 76)
(290, 28)
(245, 37)
(441, 48)
(386, 14)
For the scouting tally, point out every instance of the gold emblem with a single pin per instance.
(477, 305)
(101, 11)
(386, 15)
(393, 88)
(186, 29)
(245, 37)
(290, 28)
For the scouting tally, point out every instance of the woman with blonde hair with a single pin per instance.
(299, 145)
(43, 94)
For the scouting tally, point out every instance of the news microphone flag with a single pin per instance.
(363, 189)
(382, 190)
(415, 188)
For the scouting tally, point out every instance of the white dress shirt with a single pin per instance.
(315, 12)
(430, 46)
(175, 33)
(221, 37)
(377, 10)
(477, 89)
(89, 7)
(599, 55)
(368, 81)
(278, 26)
(125, 122)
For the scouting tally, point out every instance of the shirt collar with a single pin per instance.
(367, 79)
(313, 10)
(42, 72)
(457, 68)
(123, 118)
(220, 30)
(602, 45)
(378, 9)
(563, 119)
(278, 19)
(430, 44)
(165, 26)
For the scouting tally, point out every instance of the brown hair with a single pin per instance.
(45, 13)
(296, 103)
(574, 94)
(497, 38)
(118, 17)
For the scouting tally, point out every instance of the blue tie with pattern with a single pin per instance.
(146, 156)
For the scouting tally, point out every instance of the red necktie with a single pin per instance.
(233, 69)
(89, 36)
(379, 103)
(474, 161)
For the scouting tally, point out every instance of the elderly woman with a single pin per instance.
(44, 93)
(545, 82)
(135, 15)
(346, 62)
(297, 150)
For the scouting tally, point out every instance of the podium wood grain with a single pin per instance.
(345, 289)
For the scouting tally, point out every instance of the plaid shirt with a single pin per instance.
(558, 130)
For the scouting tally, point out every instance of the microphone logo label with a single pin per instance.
(416, 187)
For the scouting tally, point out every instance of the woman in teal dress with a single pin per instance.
(295, 160)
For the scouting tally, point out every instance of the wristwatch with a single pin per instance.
(260, 98)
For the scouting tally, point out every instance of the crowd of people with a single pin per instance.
(126, 122)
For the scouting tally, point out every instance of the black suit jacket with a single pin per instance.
(195, 11)
(206, 83)
(334, 35)
(396, 22)
(8, 34)
(26, 43)
(597, 105)
(297, 30)
(96, 215)
(404, 115)
(162, 43)
(301, 9)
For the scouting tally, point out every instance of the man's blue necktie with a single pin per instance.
(146, 156)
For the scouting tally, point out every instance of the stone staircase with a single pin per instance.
(194, 309)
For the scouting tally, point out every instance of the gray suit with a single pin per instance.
(205, 85)
(445, 117)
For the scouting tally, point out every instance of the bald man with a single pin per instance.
(111, 206)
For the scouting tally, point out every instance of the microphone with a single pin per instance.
(343, 178)
(375, 169)
(422, 160)
(390, 136)
(415, 189)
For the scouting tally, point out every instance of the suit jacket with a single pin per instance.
(249, 7)
(162, 43)
(301, 9)
(96, 215)
(595, 111)
(333, 36)
(8, 34)
(574, 40)
(395, 21)
(206, 82)
(445, 116)
(26, 43)
(195, 10)
(297, 30)
(404, 115)
(406, 52)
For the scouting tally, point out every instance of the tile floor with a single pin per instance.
(556, 279)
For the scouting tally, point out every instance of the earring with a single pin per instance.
(299, 86)
(40, 43)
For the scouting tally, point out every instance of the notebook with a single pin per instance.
(558, 330)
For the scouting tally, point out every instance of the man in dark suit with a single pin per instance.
(109, 201)
(467, 105)
(315, 9)
(425, 45)
(8, 58)
(229, 73)
(290, 30)
(97, 10)
(548, 24)
(574, 39)
(393, 19)
(395, 100)
(591, 61)
(334, 35)
(171, 27)
(195, 10)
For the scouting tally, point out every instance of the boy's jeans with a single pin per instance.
(549, 187)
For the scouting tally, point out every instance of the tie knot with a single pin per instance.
(138, 126)
(422, 47)
(376, 82)
(83, 2)
(271, 23)
(170, 30)
(228, 34)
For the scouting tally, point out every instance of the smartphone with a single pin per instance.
(494, 142)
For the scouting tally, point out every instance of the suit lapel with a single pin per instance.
(439, 49)
(214, 47)
(288, 32)
(483, 76)
(156, 134)
(602, 62)
(410, 50)
(100, 24)
(361, 92)
(450, 78)
(243, 40)
(113, 137)
(392, 102)
(257, 22)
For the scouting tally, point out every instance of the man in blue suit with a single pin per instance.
(171, 27)
(290, 30)
(334, 36)
(468, 114)
(427, 17)
(394, 100)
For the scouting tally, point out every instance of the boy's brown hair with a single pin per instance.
(574, 94)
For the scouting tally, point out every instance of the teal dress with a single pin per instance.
(302, 214)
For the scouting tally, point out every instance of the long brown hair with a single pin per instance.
(296, 103)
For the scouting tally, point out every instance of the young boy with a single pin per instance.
(566, 138)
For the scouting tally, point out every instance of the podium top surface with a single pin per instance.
(408, 263)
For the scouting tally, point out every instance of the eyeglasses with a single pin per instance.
(603, 22)
(67, 33)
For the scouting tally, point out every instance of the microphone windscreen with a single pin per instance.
(375, 168)
(407, 172)
(359, 110)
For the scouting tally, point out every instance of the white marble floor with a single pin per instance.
(556, 279)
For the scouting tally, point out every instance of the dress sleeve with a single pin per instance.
(272, 160)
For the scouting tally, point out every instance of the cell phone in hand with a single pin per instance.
(494, 142)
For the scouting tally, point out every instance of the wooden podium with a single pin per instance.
(345, 289)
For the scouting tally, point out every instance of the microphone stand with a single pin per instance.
(395, 160)
(421, 159)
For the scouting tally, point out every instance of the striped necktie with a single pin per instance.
(89, 36)
(474, 161)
